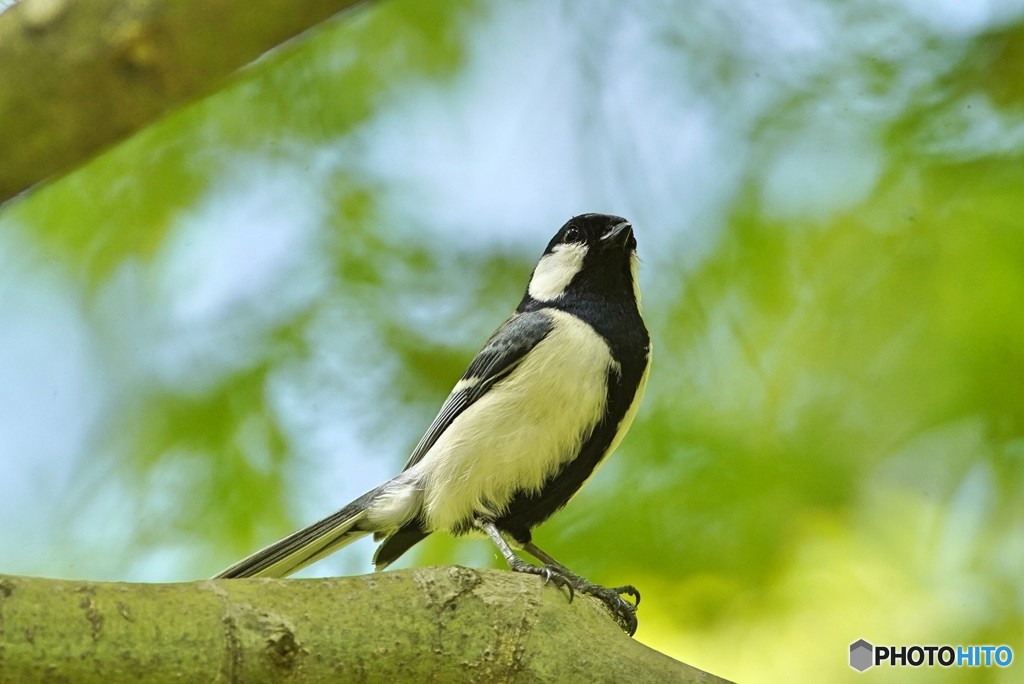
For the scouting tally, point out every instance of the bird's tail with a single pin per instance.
(307, 545)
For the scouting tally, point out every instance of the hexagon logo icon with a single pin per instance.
(862, 655)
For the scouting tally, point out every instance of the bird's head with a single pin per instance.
(592, 254)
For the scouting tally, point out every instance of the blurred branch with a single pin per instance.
(428, 624)
(76, 77)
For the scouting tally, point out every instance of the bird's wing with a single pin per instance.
(499, 357)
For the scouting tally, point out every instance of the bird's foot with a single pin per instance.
(622, 610)
(549, 573)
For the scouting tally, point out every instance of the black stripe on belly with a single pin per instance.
(528, 509)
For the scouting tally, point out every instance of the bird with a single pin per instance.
(549, 397)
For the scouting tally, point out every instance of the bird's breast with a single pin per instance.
(522, 431)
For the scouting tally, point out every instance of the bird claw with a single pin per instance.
(629, 590)
(558, 579)
(549, 574)
(622, 610)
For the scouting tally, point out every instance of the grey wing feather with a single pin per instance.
(499, 357)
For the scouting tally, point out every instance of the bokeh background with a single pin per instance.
(244, 316)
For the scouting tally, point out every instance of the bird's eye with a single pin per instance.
(572, 234)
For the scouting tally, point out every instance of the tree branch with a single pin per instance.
(427, 624)
(75, 76)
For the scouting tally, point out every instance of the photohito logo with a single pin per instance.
(864, 656)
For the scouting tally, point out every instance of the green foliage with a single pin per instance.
(832, 444)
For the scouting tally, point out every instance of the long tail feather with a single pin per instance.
(305, 546)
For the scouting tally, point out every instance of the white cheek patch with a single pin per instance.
(556, 270)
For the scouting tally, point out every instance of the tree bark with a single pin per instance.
(441, 624)
(77, 76)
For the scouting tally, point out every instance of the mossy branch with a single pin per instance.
(441, 624)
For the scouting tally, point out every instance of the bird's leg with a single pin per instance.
(550, 573)
(624, 612)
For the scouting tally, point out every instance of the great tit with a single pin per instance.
(547, 399)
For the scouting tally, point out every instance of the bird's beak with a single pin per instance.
(618, 233)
